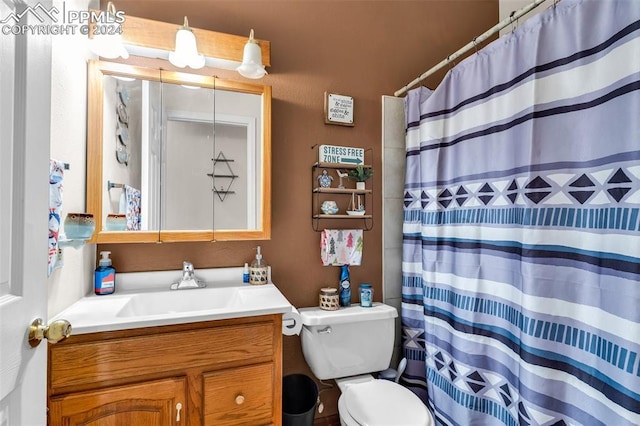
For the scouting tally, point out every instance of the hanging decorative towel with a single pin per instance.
(134, 217)
(341, 247)
(56, 174)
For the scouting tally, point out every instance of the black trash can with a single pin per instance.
(299, 397)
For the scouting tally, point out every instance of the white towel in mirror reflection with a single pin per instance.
(122, 207)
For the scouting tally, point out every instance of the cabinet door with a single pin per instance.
(158, 403)
(239, 396)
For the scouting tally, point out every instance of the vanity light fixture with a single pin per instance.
(160, 40)
(186, 50)
(252, 66)
(107, 39)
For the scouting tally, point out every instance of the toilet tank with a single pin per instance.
(350, 341)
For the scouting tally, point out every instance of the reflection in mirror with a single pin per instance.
(186, 193)
(210, 148)
(184, 157)
(131, 135)
(237, 174)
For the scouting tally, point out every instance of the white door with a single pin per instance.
(25, 92)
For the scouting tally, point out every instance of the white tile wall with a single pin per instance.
(393, 160)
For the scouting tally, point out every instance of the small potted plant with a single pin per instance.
(360, 174)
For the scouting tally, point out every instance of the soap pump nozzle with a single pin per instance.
(106, 260)
(258, 262)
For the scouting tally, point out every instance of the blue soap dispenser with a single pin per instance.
(105, 275)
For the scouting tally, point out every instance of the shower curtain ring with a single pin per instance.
(511, 20)
(475, 44)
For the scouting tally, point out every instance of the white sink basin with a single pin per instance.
(181, 301)
(148, 308)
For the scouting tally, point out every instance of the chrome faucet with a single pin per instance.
(189, 279)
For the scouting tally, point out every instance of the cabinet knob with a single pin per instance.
(240, 399)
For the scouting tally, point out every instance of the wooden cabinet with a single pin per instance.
(240, 396)
(226, 372)
(154, 403)
(342, 196)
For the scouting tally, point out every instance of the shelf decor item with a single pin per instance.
(356, 208)
(341, 176)
(116, 222)
(329, 207)
(325, 179)
(360, 174)
(79, 226)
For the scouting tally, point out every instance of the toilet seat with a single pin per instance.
(382, 403)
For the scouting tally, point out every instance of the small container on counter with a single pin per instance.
(258, 271)
(366, 295)
(105, 275)
(329, 299)
(245, 273)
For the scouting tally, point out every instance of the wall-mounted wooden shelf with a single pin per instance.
(341, 216)
(338, 166)
(343, 196)
(342, 191)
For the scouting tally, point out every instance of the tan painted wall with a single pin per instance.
(363, 49)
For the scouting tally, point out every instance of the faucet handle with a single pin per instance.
(189, 279)
(187, 271)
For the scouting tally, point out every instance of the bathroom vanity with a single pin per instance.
(209, 356)
(225, 372)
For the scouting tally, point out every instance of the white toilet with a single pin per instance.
(349, 344)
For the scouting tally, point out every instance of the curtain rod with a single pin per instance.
(471, 45)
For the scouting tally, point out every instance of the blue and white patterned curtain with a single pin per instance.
(521, 257)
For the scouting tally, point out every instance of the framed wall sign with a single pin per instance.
(338, 109)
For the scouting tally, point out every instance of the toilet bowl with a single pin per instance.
(349, 344)
(373, 402)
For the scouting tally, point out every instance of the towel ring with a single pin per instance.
(111, 185)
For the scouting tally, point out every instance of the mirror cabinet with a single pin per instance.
(173, 156)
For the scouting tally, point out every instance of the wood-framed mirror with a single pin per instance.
(173, 156)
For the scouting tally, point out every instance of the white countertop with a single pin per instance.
(144, 300)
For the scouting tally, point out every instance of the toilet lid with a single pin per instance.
(381, 402)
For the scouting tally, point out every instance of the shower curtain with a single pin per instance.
(521, 233)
